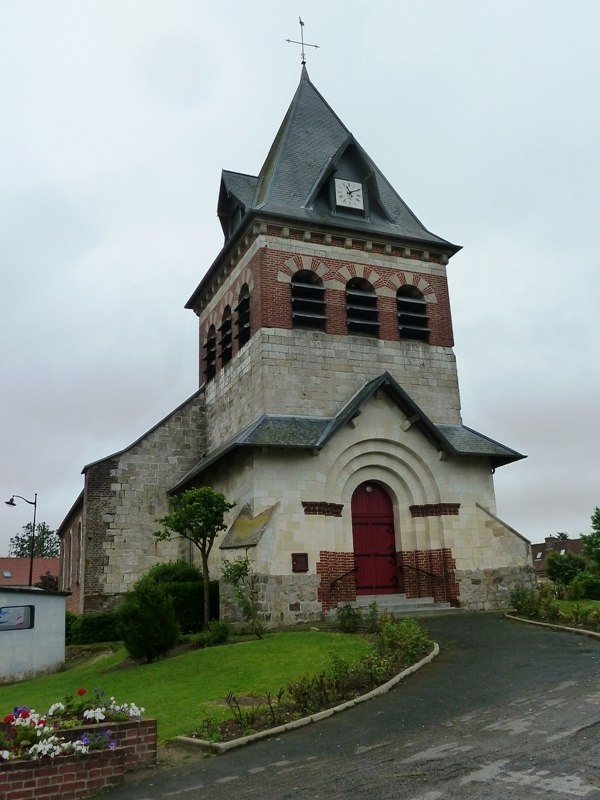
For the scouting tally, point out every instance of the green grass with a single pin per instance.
(180, 692)
(566, 605)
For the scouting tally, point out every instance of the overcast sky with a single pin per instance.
(117, 118)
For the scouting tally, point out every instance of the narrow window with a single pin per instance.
(413, 322)
(210, 354)
(308, 300)
(225, 340)
(361, 307)
(242, 321)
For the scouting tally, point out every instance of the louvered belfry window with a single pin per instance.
(210, 354)
(308, 300)
(413, 322)
(361, 307)
(225, 341)
(242, 321)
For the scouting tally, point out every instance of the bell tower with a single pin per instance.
(326, 279)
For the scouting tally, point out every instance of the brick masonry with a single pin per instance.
(428, 573)
(82, 776)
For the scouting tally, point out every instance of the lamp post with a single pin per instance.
(33, 503)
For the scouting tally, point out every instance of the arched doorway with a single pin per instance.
(374, 540)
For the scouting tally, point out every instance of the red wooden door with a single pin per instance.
(374, 540)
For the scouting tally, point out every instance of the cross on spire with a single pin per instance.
(302, 43)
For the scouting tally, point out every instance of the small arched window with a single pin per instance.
(413, 322)
(242, 321)
(225, 342)
(361, 307)
(210, 354)
(308, 300)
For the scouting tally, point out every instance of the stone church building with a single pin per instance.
(328, 408)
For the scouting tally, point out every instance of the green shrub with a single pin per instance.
(94, 628)
(524, 601)
(184, 585)
(586, 586)
(348, 618)
(70, 620)
(173, 572)
(216, 633)
(148, 624)
(405, 638)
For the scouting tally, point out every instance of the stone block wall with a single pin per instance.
(282, 600)
(123, 497)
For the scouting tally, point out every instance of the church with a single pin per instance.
(328, 406)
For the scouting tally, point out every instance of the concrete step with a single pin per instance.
(399, 604)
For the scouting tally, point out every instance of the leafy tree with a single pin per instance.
(563, 568)
(48, 582)
(562, 536)
(591, 541)
(46, 544)
(197, 515)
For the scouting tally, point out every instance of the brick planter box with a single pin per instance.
(80, 776)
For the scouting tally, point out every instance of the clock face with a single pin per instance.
(349, 194)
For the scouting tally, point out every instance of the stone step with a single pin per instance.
(399, 605)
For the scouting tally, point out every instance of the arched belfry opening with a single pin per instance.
(374, 540)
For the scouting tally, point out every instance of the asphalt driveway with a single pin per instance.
(507, 710)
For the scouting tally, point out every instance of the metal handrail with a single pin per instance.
(424, 571)
(345, 575)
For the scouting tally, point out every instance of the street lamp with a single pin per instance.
(33, 503)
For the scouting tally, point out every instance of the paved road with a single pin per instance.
(507, 710)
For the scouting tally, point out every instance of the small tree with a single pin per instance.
(197, 515)
(46, 544)
(591, 541)
(48, 582)
(563, 568)
(241, 576)
(562, 536)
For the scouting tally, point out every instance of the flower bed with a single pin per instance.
(74, 750)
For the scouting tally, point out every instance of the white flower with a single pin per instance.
(55, 707)
(4, 755)
(97, 714)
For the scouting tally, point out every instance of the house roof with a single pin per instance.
(293, 185)
(539, 552)
(313, 433)
(15, 571)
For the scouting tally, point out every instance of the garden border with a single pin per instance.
(554, 626)
(222, 747)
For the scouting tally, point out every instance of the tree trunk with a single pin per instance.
(206, 579)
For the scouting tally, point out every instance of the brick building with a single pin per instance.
(328, 407)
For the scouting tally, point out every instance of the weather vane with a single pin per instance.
(302, 43)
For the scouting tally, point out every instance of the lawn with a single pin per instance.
(566, 606)
(181, 691)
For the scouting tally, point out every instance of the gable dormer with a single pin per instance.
(236, 196)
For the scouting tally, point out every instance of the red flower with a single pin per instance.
(9, 718)
(81, 692)
(24, 714)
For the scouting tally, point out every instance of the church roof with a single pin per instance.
(311, 144)
(313, 433)
(294, 184)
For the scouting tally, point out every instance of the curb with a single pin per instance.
(554, 626)
(223, 747)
